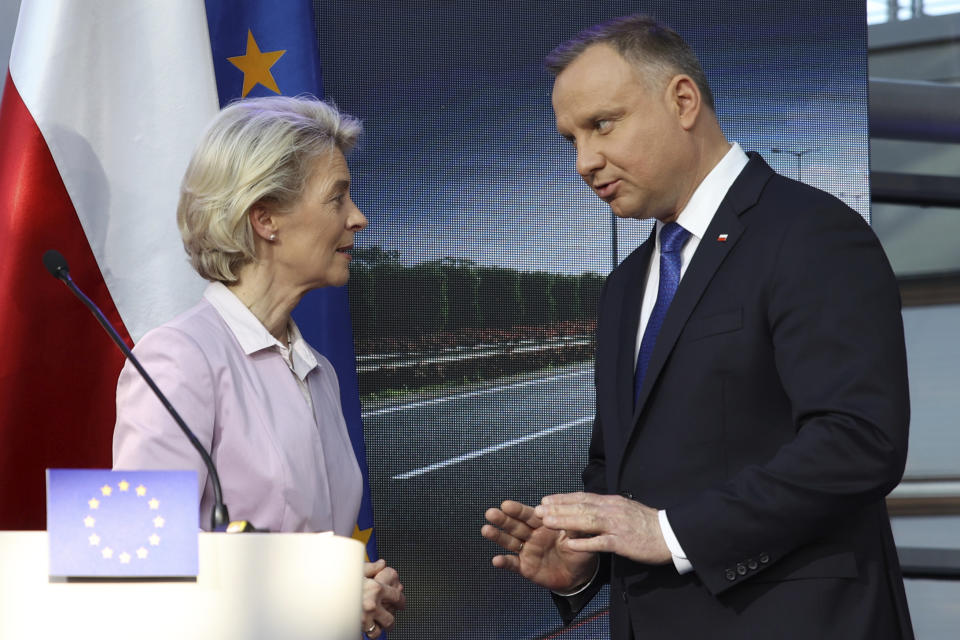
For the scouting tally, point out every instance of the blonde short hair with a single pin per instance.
(256, 151)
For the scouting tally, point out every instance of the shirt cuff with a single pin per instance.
(679, 557)
(584, 587)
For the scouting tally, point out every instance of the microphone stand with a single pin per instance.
(56, 264)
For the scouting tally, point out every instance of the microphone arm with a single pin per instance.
(56, 264)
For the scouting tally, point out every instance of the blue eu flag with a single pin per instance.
(263, 48)
(122, 523)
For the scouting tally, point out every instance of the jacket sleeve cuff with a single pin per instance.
(569, 606)
(585, 586)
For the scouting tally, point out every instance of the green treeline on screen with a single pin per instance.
(389, 299)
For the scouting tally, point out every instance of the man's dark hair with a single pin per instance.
(641, 40)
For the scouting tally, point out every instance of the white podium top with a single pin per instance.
(251, 586)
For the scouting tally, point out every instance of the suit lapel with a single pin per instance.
(709, 256)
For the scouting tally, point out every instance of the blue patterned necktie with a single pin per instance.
(672, 237)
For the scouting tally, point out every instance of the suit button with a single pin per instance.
(742, 570)
(752, 564)
(731, 575)
(764, 558)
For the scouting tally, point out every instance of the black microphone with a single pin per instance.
(56, 264)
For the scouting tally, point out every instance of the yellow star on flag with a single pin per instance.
(124, 485)
(94, 539)
(141, 491)
(158, 522)
(256, 66)
(94, 503)
(363, 535)
(106, 490)
(142, 553)
(107, 553)
(124, 558)
(154, 503)
(154, 540)
(89, 521)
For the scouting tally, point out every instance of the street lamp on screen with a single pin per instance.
(798, 154)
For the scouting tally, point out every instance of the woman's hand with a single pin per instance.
(382, 597)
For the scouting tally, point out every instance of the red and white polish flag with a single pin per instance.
(103, 104)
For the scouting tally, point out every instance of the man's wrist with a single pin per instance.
(583, 586)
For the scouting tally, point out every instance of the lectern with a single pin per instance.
(251, 586)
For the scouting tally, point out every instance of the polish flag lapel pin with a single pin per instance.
(722, 237)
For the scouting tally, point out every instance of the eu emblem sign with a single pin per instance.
(122, 523)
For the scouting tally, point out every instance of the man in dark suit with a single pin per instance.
(752, 404)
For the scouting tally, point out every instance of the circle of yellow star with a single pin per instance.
(256, 66)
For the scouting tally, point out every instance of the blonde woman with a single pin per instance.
(266, 216)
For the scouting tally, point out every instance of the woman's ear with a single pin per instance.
(263, 223)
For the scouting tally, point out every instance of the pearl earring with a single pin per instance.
(273, 237)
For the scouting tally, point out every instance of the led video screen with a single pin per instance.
(473, 290)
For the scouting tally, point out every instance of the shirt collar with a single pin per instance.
(703, 204)
(250, 332)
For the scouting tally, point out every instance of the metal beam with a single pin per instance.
(926, 563)
(929, 289)
(936, 496)
(915, 189)
(906, 110)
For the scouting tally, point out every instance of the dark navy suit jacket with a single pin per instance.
(771, 423)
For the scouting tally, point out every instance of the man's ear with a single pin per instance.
(685, 98)
(262, 222)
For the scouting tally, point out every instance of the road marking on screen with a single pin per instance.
(491, 449)
(471, 394)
